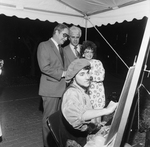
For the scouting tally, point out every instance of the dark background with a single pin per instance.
(19, 39)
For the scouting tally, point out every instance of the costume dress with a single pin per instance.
(96, 89)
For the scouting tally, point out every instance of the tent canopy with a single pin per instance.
(77, 12)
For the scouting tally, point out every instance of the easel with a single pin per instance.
(135, 77)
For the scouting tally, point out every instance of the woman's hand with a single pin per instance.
(112, 106)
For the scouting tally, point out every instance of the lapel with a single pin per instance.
(71, 56)
(54, 48)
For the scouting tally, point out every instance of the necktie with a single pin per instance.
(77, 53)
(61, 53)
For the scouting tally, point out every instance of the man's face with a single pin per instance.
(62, 36)
(74, 38)
(83, 78)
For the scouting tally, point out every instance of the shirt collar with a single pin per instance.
(55, 42)
(80, 88)
(72, 47)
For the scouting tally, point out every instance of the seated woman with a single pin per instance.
(77, 111)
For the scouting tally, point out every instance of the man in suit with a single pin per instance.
(52, 81)
(72, 51)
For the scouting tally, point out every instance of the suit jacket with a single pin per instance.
(70, 56)
(51, 66)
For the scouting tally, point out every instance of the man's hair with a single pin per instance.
(75, 28)
(60, 27)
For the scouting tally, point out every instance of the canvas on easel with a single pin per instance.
(118, 113)
(120, 119)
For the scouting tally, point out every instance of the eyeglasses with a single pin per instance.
(65, 35)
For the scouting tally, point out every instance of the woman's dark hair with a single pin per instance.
(90, 45)
(87, 67)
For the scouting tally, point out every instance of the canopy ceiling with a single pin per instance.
(98, 12)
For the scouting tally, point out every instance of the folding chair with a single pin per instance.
(62, 132)
(53, 124)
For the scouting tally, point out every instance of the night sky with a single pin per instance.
(19, 39)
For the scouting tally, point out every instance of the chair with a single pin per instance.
(53, 125)
(63, 133)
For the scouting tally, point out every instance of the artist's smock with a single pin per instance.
(75, 103)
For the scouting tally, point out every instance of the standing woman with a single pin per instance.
(96, 89)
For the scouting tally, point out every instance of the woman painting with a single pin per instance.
(76, 108)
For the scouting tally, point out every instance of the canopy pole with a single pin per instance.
(108, 44)
(86, 21)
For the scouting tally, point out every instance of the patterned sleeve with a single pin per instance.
(97, 70)
(73, 108)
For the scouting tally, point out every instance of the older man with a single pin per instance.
(72, 51)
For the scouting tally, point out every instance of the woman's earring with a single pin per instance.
(83, 55)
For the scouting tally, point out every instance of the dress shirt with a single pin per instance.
(73, 50)
(56, 44)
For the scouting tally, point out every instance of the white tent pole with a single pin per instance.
(109, 44)
(86, 20)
